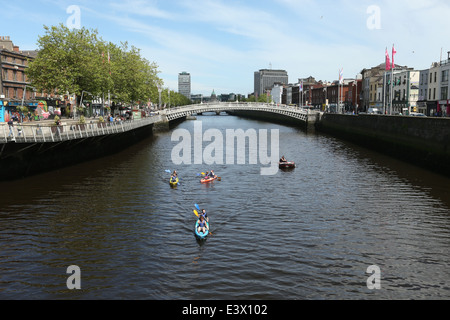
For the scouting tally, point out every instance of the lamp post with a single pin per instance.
(81, 101)
(23, 97)
(159, 102)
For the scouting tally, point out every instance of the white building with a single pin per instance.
(277, 94)
(443, 108)
(405, 90)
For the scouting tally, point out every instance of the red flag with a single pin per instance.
(393, 54)
(388, 61)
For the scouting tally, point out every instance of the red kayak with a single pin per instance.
(287, 165)
(208, 180)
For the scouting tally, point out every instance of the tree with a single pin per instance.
(67, 61)
(77, 61)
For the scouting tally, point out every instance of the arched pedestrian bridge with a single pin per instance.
(295, 113)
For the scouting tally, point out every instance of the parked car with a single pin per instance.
(416, 114)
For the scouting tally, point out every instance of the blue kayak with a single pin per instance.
(201, 235)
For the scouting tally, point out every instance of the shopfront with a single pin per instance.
(2, 112)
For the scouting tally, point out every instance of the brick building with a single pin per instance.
(15, 88)
(13, 63)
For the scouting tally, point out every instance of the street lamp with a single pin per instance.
(159, 91)
(81, 102)
(23, 96)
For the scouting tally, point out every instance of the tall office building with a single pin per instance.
(265, 79)
(184, 84)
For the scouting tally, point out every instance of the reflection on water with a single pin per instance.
(309, 233)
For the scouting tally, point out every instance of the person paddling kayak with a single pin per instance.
(204, 215)
(202, 225)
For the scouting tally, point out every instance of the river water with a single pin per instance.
(310, 233)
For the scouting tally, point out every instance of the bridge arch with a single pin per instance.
(303, 115)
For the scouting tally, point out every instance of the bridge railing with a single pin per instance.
(34, 133)
(237, 105)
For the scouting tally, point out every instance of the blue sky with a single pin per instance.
(223, 42)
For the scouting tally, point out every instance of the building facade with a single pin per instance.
(265, 79)
(184, 84)
(423, 91)
(444, 94)
(13, 80)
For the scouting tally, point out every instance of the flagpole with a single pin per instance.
(384, 93)
(392, 80)
(339, 92)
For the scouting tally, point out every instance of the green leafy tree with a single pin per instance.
(67, 61)
(73, 61)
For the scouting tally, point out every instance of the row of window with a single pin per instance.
(444, 77)
(13, 75)
(432, 94)
(15, 93)
(15, 60)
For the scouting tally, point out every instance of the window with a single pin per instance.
(445, 76)
(434, 94)
(429, 95)
(444, 93)
(431, 77)
(435, 76)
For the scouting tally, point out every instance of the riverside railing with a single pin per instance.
(34, 133)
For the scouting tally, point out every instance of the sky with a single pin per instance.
(221, 43)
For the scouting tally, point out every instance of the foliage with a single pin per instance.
(73, 61)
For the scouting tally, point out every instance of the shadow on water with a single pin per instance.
(43, 185)
(425, 181)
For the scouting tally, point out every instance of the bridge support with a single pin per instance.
(162, 126)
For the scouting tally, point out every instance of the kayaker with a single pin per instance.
(212, 175)
(175, 173)
(283, 160)
(204, 215)
(202, 226)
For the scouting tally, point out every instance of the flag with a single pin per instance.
(301, 86)
(341, 76)
(388, 61)
(394, 52)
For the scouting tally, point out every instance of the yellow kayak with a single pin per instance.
(173, 183)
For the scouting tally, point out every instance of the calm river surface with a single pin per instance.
(306, 234)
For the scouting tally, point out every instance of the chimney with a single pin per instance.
(16, 48)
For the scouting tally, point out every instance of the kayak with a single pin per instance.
(201, 236)
(208, 180)
(173, 183)
(287, 165)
